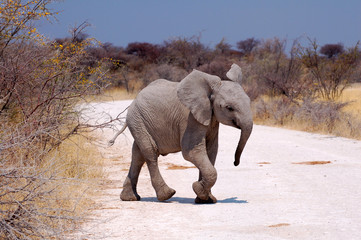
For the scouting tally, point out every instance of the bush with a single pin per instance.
(146, 51)
(170, 72)
(219, 67)
(274, 73)
(307, 115)
(320, 115)
(184, 53)
(40, 82)
(275, 111)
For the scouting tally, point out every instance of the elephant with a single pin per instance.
(168, 117)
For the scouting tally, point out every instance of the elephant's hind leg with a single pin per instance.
(163, 191)
(129, 192)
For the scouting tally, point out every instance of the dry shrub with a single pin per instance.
(272, 72)
(349, 126)
(79, 158)
(40, 84)
(146, 51)
(136, 80)
(323, 116)
(219, 67)
(162, 71)
(49, 201)
(169, 72)
(273, 111)
(300, 90)
(186, 53)
(328, 117)
(308, 115)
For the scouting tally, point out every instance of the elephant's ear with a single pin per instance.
(235, 73)
(194, 92)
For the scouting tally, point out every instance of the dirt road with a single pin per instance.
(289, 185)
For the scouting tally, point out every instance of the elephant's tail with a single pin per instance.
(111, 142)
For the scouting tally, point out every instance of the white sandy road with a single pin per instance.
(267, 196)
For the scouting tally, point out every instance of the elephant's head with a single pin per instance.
(204, 94)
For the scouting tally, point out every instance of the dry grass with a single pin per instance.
(120, 94)
(352, 94)
(334, 118)
(80, 158)
(112, 94)
(63, 187)
(71, 175)
(79, 166)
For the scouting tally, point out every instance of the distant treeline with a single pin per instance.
(289, 85)
(268, 68)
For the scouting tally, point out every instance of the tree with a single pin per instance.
(277, 73)
(246, 46)
(330, 75)
(147, 51)
(332, 50)
(186, 53)
(223, 47)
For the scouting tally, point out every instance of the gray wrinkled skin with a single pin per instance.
(168, 117)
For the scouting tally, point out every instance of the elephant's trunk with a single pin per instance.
(246, 132)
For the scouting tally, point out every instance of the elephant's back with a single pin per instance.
(157, 115)
(160, 94)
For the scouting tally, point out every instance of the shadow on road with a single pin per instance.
(191, 200)
(232, 200)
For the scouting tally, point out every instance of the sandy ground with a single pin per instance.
(280, 190)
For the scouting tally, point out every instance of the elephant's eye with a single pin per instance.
(229, 108)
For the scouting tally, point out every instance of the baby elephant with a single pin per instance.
(168, 117)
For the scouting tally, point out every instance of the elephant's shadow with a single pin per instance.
(191, 200)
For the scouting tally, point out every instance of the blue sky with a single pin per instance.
(123, 21)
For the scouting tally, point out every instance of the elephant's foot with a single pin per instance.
(202, 194)
(165, 193)
(127, 193)
(211, 199)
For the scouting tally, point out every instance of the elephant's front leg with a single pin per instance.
(212, 149)
(209, 199)
(208, 178)
(194, 150)
(208, 174)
